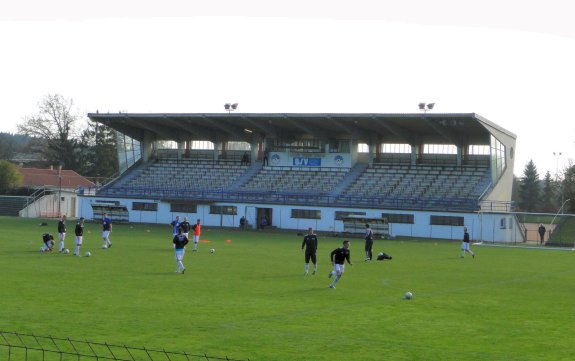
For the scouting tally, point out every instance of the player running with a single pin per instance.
(338, 257)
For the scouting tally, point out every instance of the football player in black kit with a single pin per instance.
(180, 240)
(186, 226)
(62, 232)
(338, 258)
(310, 244)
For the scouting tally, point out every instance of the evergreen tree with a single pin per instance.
(568, 189)
(529, 188)
(549, 195)
(98, 151)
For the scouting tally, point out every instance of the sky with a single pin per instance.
(510, 61)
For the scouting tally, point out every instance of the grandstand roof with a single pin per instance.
(429, 128)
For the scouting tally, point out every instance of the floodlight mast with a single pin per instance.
(425, 107)
(230, 107)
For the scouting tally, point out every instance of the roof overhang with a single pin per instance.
(418, 128)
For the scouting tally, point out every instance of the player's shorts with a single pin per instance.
(339, 268)
(196, 238)
(105, 234)
(79, 240)
(310, 255)
(465, 246)
(186, 234)
(180, 254)
(62, 236)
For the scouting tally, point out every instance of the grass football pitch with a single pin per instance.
(250, 300)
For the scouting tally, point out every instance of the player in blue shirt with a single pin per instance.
(106, 230)
(175, 226)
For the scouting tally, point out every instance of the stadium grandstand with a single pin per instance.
(419, 175)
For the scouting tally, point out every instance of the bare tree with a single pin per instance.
(55, 129)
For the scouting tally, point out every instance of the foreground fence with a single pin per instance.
(26, 347)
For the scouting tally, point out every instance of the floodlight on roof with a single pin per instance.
(426, 106)
(230, 107)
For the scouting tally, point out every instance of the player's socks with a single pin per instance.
(77, 251)
(336, 279)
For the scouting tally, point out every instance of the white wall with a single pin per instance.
(486, 227)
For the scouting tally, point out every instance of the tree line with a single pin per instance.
(58, 136)
(531, 194)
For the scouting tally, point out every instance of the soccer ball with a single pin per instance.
(408, 295)
(66, 251)
(212, 250)
(87, 254)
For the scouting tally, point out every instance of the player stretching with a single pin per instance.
(310, 244)
(48, 240)
(338, 257)
(180, 241)
(106, 230)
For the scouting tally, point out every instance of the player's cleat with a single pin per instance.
(473, 255)
(183, 271)
(332, 286)
(313, 273)
(110, 245)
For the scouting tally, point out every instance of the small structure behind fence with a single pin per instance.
(27, 347)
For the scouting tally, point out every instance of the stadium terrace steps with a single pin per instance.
(11, 205)
(394, 186)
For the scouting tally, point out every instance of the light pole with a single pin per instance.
(230, 107)
(59, 189)
(425, 107)
(559, 187)
(557, 155)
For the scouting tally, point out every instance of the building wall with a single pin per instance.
(488, 227)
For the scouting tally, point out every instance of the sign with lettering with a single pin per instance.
(306, 162)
